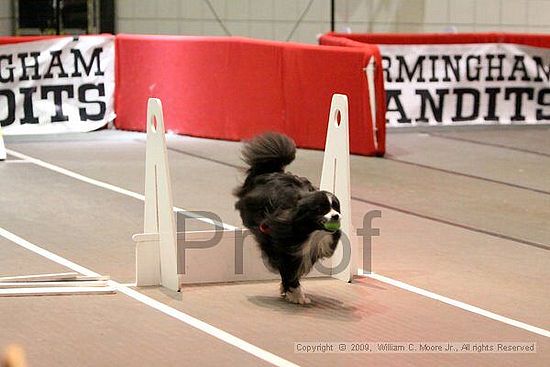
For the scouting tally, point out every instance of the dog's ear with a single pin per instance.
(313, 204)
(311, 197)
(335, 202)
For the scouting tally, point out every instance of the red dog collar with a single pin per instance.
(265, 229)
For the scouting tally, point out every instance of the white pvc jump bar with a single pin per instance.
(53, 285)
(57, 277)
(54, 291)
(64, 284)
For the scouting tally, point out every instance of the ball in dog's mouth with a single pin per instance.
(331, 225)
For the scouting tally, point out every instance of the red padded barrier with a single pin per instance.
(234, 88)
(535, 40)
(4, 40)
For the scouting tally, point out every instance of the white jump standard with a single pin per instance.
(2, 146)
(168, 258)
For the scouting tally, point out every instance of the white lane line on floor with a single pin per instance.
(179, 315)
(459, 304)
(105, 185)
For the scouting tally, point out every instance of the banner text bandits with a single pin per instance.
(438, 79)
(27, 66)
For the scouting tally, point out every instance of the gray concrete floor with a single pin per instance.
(465, 214)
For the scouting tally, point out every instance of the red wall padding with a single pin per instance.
(234, 88)
(535, 40)
(4, 40)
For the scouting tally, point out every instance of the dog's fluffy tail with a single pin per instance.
(268, 153)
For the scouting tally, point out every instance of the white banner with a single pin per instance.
(465, 84)
(57, 85)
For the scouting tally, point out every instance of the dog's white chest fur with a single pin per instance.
(317, 246)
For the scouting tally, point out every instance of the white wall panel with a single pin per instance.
(274, 19)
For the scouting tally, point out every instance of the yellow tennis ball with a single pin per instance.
(332, 226)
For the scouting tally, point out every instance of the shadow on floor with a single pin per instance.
(321, 307)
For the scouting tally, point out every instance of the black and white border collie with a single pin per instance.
(294, 223)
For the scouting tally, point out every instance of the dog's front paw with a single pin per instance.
(296, 295)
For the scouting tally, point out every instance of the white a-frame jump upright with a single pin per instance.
(2, 146)
(165, 257)
(335, 178)
(156, 261)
